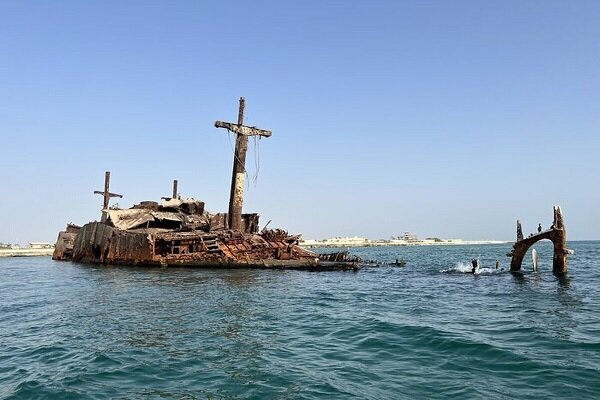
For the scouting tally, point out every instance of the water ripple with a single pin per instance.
(80, 331)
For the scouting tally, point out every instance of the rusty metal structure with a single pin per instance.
(557, 234)
(180, 232)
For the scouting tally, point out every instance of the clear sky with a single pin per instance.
(444, 118)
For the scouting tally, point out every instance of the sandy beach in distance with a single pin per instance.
(26, 252)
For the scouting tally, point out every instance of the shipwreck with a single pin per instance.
(180, 232)
(557, 234)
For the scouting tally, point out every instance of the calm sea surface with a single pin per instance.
(429, 330)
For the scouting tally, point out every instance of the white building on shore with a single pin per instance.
(40, 245)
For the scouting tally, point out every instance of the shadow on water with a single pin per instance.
(569, 303)
(552, 312)
(536, 278)
(518, 277)
(564, 282)
(168, 276)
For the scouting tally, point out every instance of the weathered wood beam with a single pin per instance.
(106, 193)
(243, 129)
(109, 194)
(236, 195)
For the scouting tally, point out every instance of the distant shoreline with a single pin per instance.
(26, 252)
(376, 243)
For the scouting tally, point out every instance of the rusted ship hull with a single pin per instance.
(99, 243)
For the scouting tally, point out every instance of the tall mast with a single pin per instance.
(238, 176)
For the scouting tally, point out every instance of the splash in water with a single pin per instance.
(467, 268)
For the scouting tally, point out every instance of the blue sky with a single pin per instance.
(444, 118)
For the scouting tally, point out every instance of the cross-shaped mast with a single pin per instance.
(236, 196)
(106, 194)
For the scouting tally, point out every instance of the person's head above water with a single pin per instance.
(475, 263)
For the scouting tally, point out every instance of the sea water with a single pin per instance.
(430, 329)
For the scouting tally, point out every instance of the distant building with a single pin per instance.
(40, 245)
(410, 237)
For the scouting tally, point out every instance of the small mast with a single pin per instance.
(106, 194)
(174, 191)
(236, 196)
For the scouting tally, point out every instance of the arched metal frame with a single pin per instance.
(557, 234)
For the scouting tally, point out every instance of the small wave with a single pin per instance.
(34, 389)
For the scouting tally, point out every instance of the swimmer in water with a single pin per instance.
(475, 263)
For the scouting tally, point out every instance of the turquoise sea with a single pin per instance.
(428, 330)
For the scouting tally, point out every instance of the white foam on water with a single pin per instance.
(467, 268)
(460, 267)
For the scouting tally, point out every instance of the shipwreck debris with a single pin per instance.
(180, 232)
(557, 234)
(63, 250)
(534, 259)
(339, 256)
(399, 262)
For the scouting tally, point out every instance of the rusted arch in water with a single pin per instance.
(557, 234)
